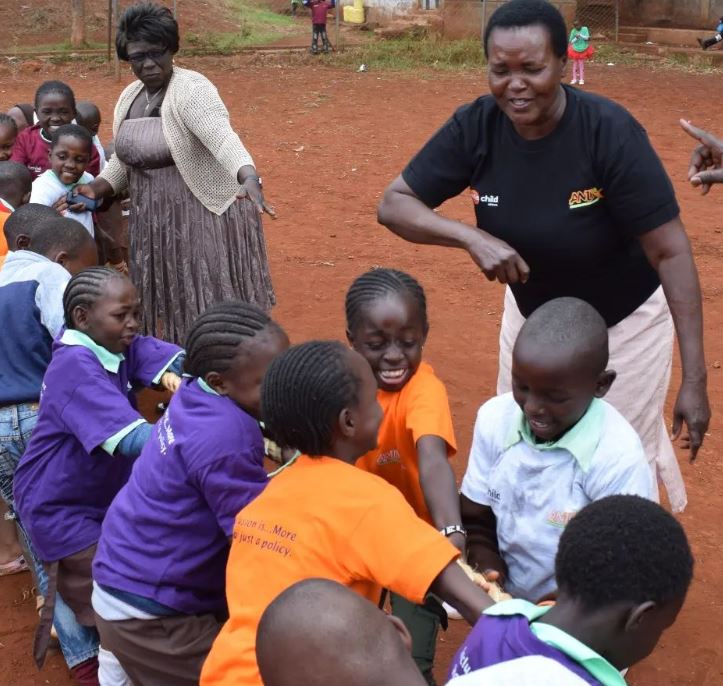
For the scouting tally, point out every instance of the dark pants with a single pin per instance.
(423, 623)
(166, 651)
(318, 31)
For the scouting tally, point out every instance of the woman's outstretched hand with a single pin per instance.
(251, 189)
(706, 163)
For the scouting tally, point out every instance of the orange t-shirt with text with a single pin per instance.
(319, 518)
(421, 408)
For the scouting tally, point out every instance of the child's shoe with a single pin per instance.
(86, 673)
(582, 83)
(573, 82)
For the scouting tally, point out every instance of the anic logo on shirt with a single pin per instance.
(390, 457)
(489, 200)
(560, 519)
(585, 198)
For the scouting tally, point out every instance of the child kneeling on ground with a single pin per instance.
(544, 451)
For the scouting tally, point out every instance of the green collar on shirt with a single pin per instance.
(205, 387)
(110, 361)
(597, 665)
(69, 186)
(202, 384)
(581, 441)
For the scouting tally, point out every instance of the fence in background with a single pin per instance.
(602, 17)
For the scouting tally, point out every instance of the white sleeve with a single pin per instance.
(483, 454)
(624, 470)
(44, 191)
(49, 299)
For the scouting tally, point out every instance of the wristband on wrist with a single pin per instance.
(454, 529)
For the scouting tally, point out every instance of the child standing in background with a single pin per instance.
(23, 114)
(386, 319)
(319, 10)
(579, 50)
(8, 134)
(88, 115)
(70, 150)
(54, 107)
(203, 464)
(88, 433)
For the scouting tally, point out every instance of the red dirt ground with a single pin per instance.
(327, 142)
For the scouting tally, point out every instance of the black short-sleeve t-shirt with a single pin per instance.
(571, 204)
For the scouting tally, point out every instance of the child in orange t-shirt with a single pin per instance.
(16, 183)
(320, 517)
(386, 314)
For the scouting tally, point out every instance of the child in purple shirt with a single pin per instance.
(159, 571)
(623, 568)
(88, 433)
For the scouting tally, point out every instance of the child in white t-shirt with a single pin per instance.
(70, 153)
(544, 451)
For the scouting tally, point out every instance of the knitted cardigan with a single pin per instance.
(206, 150)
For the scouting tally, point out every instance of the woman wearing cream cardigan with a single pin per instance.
(195, 228)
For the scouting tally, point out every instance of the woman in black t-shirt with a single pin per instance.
(570, 200)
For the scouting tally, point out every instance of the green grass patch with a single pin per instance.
(64, 47)
(258, 25)
(415, 52)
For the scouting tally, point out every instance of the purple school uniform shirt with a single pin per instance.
(65, 481)
(166, 536)
(496, 639)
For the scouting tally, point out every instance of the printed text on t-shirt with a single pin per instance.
(272, 538)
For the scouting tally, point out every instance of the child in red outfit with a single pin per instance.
(319, 10)
(54, 107)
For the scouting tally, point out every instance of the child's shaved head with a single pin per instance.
(570, 327)
(318, 632)
(559, 365)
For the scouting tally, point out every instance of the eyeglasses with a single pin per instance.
(138, 58)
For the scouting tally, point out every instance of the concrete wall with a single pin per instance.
(383, 11)
(672, 13)
(463, 18)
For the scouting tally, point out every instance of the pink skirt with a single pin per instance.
(585, 55)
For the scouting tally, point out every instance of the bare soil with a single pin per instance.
(327, 141)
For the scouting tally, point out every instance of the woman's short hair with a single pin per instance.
(147, 22)
(519, 13)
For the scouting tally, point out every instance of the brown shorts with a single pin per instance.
(75, 584)
(166, 651)
(72, 578)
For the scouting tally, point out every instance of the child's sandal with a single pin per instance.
(15, 566)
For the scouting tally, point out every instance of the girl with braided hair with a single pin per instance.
(321, 517)
(88, 433)
(160, 567)
(386, 315)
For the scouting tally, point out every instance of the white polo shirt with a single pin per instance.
(534, 489)
(47, 188)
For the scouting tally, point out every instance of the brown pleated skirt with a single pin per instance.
(184, 258)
